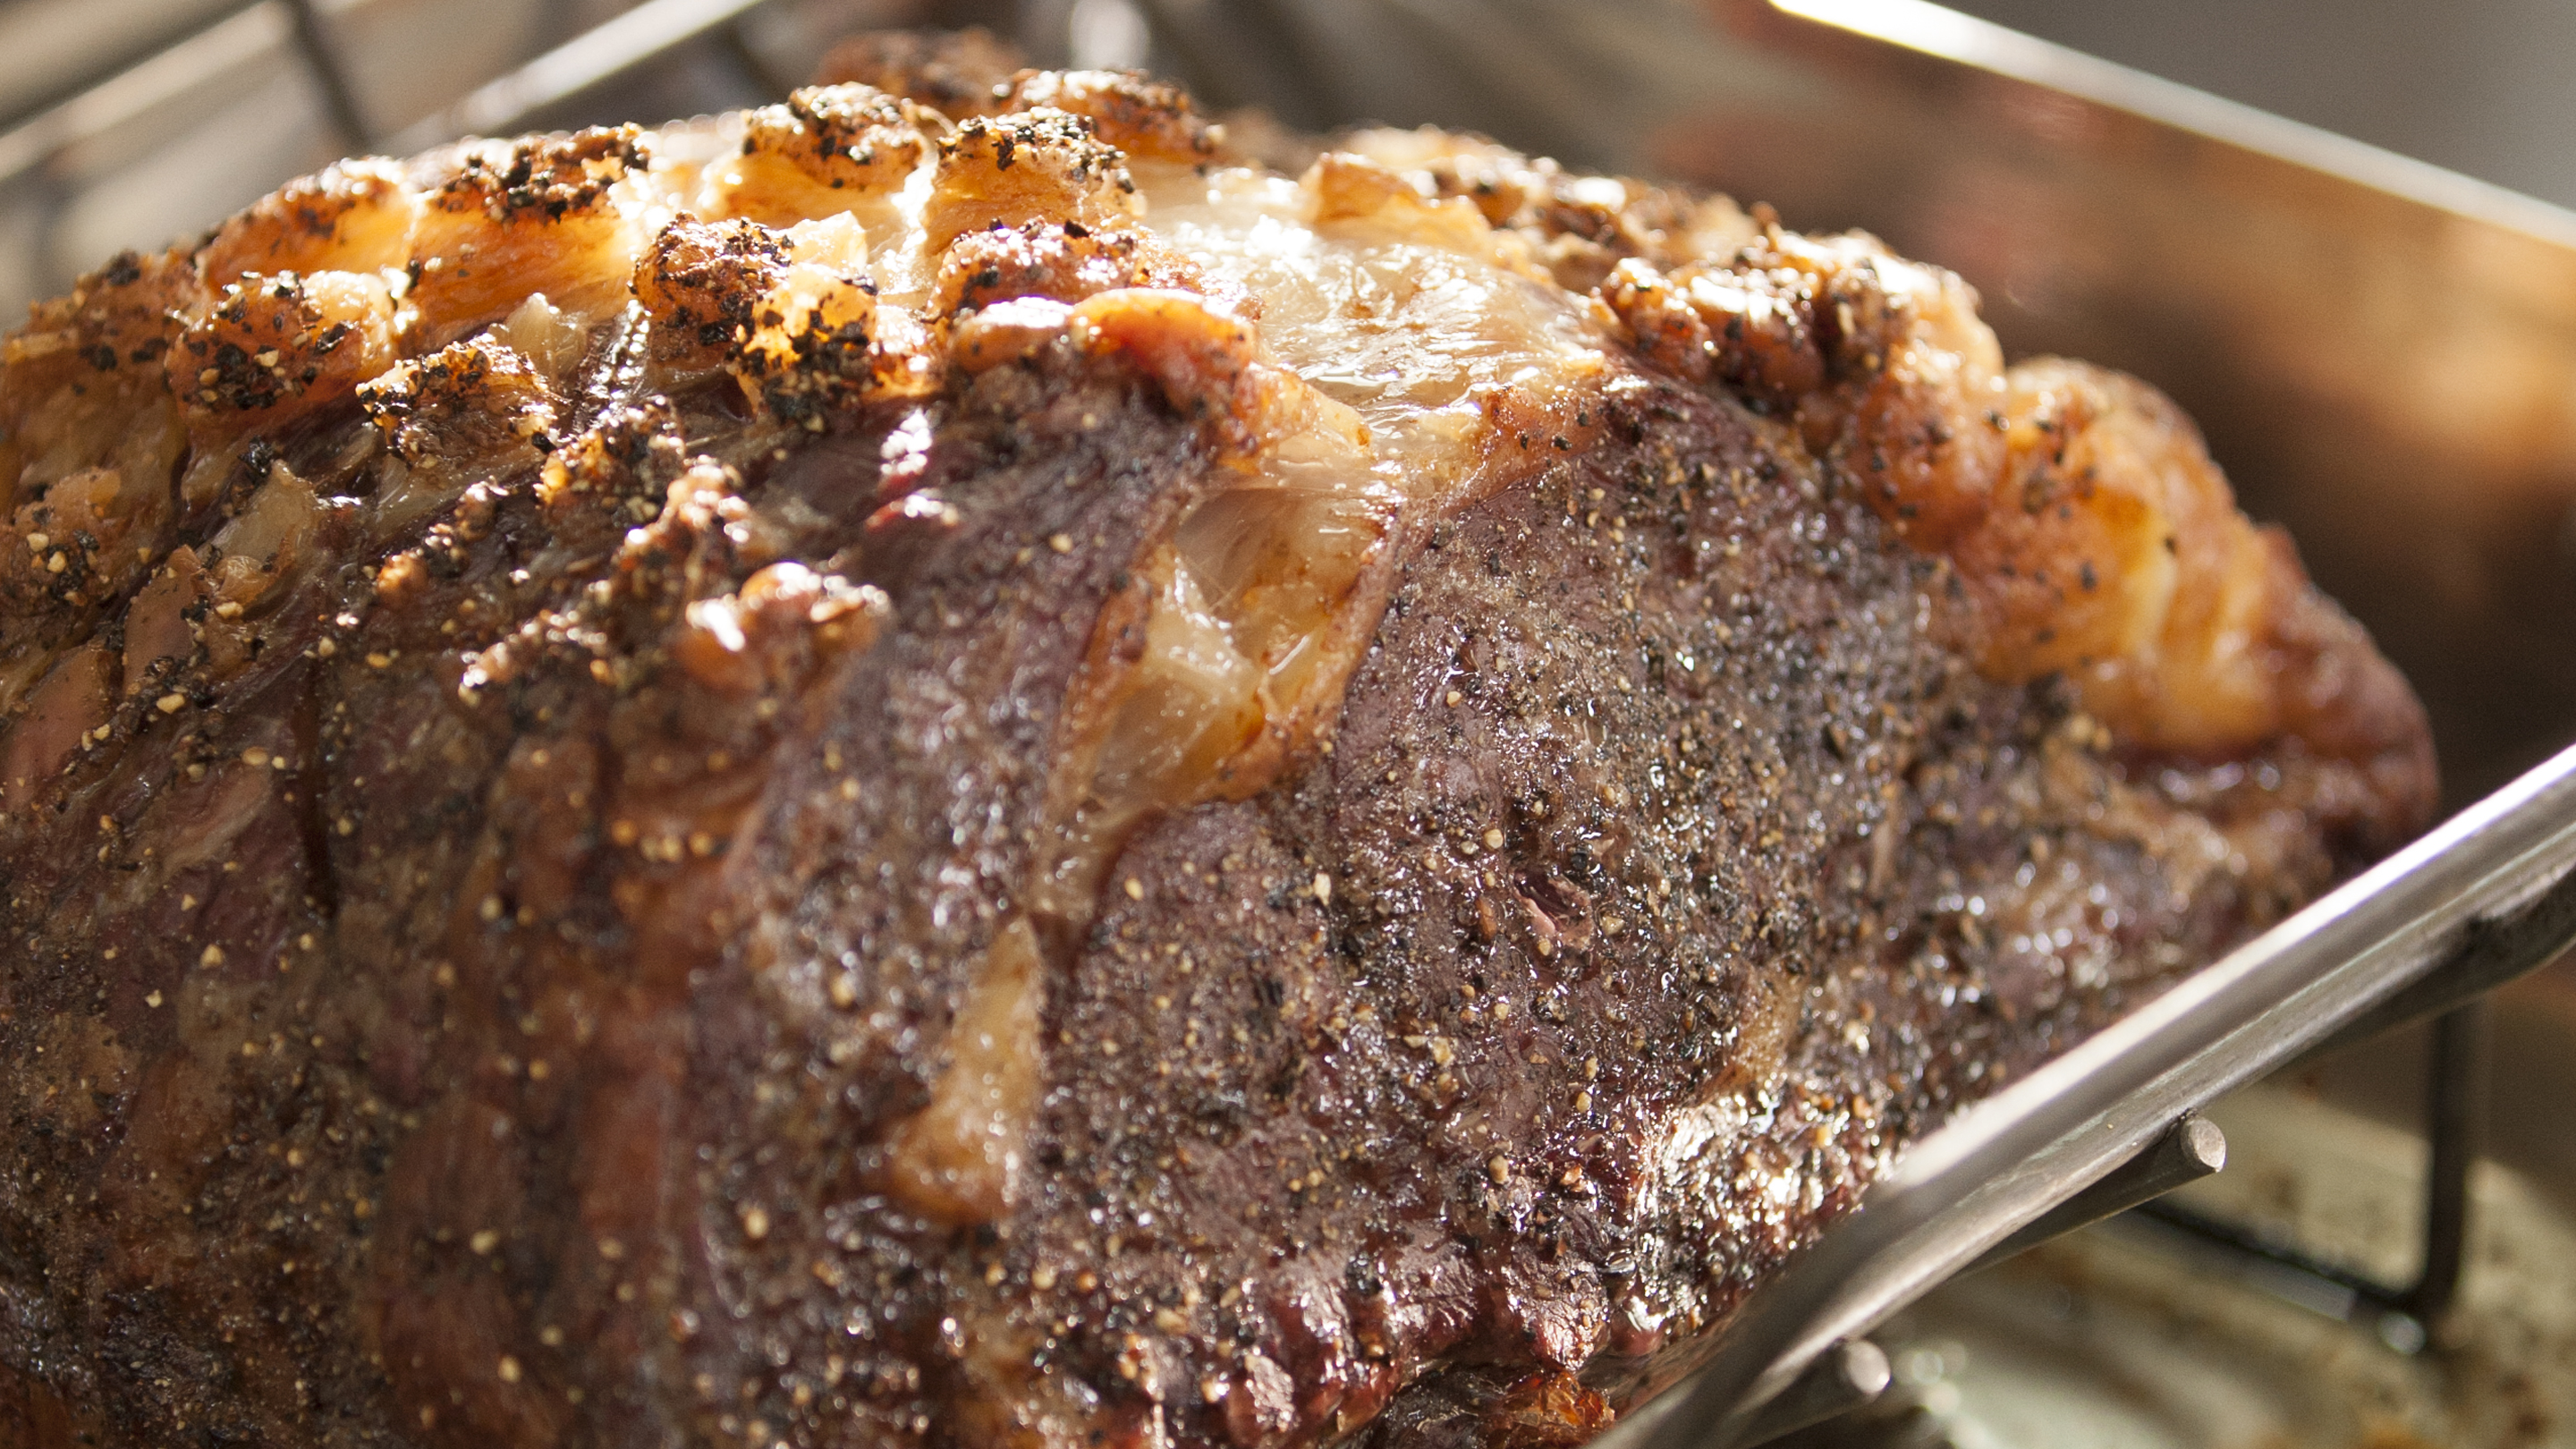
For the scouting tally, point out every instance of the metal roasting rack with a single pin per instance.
(1661, 86)
(2487, 896)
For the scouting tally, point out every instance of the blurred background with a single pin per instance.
(2485, 87)
(132, 123)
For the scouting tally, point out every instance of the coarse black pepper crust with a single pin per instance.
(1618, 817)
(536, 904)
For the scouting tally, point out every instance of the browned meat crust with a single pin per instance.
(989, 824)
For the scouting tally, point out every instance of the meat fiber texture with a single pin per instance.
(954, 764)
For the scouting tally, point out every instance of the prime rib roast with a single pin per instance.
(962, 764)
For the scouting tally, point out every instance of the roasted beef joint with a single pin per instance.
(955, 764)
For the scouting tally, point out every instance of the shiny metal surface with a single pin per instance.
(2185, 1152)
(1849, 1377)
(2126, 1337)
(2008, 1160)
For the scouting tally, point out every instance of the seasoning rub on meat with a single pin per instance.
(954, 765)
